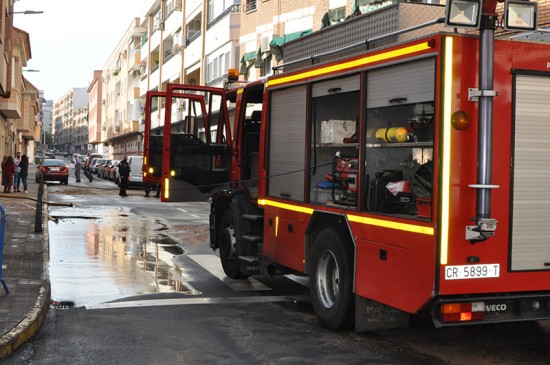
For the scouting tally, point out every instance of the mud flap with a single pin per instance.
(375, 316)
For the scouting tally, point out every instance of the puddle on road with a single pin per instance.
(101, 257)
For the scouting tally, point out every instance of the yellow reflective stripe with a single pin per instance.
(354, 218)
(166, 188)
(446, 153)
(294, 208)
(392, 225)
(351, 64)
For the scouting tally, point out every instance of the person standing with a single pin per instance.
(3, 175)
(149, 187)
(124, 172)
(77, 163)
(24, 171)
(17, 174)
(8, 170)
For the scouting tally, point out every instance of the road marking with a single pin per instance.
(212, 264)
(188, 301)
(183, 210)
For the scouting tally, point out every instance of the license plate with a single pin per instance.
(54, 169)
(472, 271)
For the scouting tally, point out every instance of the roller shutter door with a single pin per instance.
(531, 174)
(413, 81)
(287, 138)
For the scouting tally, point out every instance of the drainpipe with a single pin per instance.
(485, 225)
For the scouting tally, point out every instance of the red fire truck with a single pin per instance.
(383, 178)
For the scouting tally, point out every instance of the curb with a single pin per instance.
(28, 326)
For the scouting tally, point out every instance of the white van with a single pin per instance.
(136, 173)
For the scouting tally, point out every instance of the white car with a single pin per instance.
(136, 172)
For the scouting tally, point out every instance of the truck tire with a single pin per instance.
(332, 280)
(228, 245)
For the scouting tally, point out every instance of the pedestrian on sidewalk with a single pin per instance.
(24, 172)
(17, 175)
(8, 170)
(77, 163)
(124, 172)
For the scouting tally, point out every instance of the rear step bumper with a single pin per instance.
(499, 308)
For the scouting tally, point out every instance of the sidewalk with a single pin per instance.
(25, 268)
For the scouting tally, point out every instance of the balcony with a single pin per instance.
(12, 107)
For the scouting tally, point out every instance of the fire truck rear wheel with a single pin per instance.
(227, 241)
(331, 281)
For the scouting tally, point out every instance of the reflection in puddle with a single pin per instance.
(98, 260)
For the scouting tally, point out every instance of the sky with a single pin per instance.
(72, 38)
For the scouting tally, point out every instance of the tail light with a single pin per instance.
(462, 312)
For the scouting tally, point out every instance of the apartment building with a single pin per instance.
(190, 41)
(267, 24)
(45, 124)
(121, 104)
(46, 113)
(174, 41)
(95, 110)
(80, 130)
(63, 118)
(18, 97)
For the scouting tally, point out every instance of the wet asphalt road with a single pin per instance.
(148, 290)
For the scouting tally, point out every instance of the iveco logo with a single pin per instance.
(495, 307)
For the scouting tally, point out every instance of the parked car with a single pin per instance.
(38, 159)
(112, 174)
(101, 168)
(91, 158)
(94, 166)
(52, 170)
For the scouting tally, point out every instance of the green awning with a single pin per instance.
(276, 45)
(248, 56)
(247, 61)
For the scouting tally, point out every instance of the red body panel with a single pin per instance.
(508, 56)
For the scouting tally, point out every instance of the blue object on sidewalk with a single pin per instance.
(2, 230)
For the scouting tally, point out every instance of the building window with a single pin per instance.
(217, 7)
(172, 5)
(337, 15)
(193, 28)
(217, 66)
(250, 5)
(267, 66)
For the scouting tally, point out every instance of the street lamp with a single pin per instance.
(27, 12)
